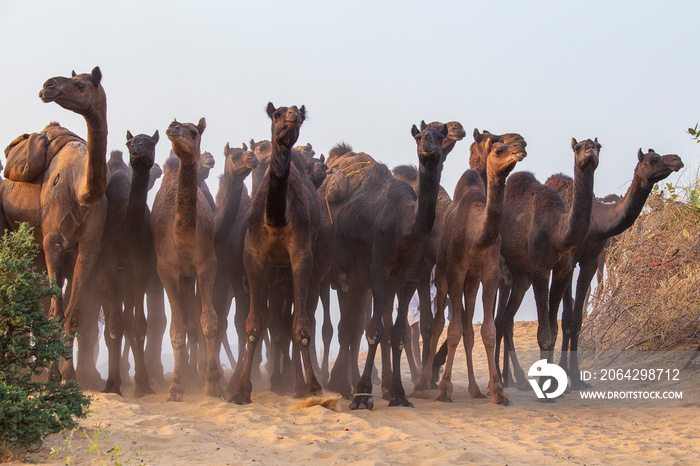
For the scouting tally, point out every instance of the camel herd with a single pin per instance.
(310, 225)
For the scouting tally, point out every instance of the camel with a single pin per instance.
(238, 165)
(469, 253)
(183, 231)
(607, 221)
(124, 264)
(455, 133)
(379, 242)
(536, 231)
(283, 224)
(67, 204)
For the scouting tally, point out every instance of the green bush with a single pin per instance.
(29, 341)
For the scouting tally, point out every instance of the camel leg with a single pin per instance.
(426, 317)
(88, 251)
(53, 253)
(584, 281)
(138, 332)
(438, 325)
(455, 331)
(471, 286)
(398, 394)
(504, 329)
(385, 345)
(327, 329)
(178, 331)
(302, 264)
(156, 325)
(114, 332)
(206, 276)
(491, 277)
(255, 327)
(540, 287)
(339, 381)
(88, 341)
(567, 325)
(242, 297)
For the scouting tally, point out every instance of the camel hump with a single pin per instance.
(347, 176)
(29, 155)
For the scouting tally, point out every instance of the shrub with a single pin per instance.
(30, 410)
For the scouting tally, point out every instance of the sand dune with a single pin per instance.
(277, 429)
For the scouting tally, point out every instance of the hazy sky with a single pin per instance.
(623, 71)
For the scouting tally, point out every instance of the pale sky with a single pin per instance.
(625, 72)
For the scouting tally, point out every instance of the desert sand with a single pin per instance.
(278, 429)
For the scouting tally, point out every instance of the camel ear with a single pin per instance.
(226, 149)
(156, 136)
(414, 131)
(423, 125)
(444, 131)
(252, 144)
(270, 109)
(201, 125)
(322, 159)
(129, 135)
(73, 74)
(302, 110)
(96, 75)
(640, 155)
(245, 148)
(651, 150)
(573, 143)
(477, 135)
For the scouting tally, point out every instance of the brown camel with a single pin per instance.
(469, 253)
(183, 231)
(124, 264)
(379, 242)
(238, 165)
(536, 231)
(67, 205)
(283, 224)
(607, 220)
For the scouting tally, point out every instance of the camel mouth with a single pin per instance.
(520, 156)
(46, 96)
(208, 163)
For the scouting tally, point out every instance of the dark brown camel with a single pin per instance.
(124, 264)
(455, 133)
(66, 205)
(380, 236)
(183, 231)
(536, 231)
(282, 227)
(238, 165)
(469, 253)
(607, 220)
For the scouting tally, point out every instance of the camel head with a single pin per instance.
(502, 158)
(479, 153)
(142, 151)
(262, 150)
(429, 143)
(455, 132)
(206, 163)
(316, 170)
(286, 123)
(186, 139)
(81, 93)
(653, 167)
(116, 162)
(307, 151)
(239, 161)
(586, 153)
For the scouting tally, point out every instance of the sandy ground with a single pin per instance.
(277, 429)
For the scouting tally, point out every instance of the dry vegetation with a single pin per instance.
(651, 296)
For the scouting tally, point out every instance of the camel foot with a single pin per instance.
(522, 385)
(142, 390)
(112, 387)
(474, 392)
(242, 394)
(90, 380)
(176, 393)
(213, 389)
(580, 385)
(422, 385)
(362, 402)
(400, 401)
(386, 394)
(444, 397)
(68, 371)
(314, 388)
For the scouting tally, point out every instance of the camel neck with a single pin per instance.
(608, 220)
(136, 208)
(228, 200)
(428, 189)
(94, 183)
(491, 222)
(186, 204)
(276, 202)
(579, 216)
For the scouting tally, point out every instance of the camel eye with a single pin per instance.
(80, 86)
